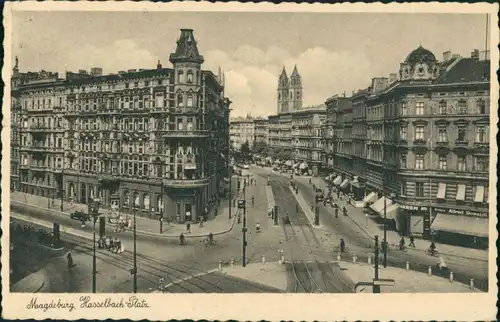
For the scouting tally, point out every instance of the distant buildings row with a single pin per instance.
(418, 139)
(152, 141)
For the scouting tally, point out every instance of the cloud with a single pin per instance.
(252, 75)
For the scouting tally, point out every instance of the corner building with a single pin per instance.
(152, 141)
(423, 137)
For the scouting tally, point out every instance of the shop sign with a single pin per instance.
(461, 212)
(413, 208)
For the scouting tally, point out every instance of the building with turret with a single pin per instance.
(417, 143)
(289, 92)
(151, 141)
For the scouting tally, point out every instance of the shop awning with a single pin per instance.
(337, 180)
(344, 184)
(441, 191)
(303, 166)
(479, 197)
(461, 192)
(391, 211)
(378, 206)
(371, 197)
(471, 226)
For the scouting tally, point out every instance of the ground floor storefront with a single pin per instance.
(149, 199)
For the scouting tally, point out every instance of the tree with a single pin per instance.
(259, 147)
(245, 150)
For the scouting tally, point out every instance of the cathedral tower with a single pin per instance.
(295, 93)
(283, 92)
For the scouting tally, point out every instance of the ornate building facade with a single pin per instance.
(153, 141)
(424, 146)
(242, 130)
(261, 126)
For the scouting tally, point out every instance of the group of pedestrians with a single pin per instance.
(114, 245)
(23, 233)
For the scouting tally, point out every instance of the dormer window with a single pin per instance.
(189, 77)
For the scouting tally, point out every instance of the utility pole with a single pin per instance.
(161, 208)
(376, 288)
(230, 188)
(135, 255)
(385, 230)
(94, 212)
(244, 230)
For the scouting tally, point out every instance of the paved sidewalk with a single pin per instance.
(270, 274)
(359, 217)
(220, 224)
(405, 281)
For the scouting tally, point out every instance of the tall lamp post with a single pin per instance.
(94, 212)
(135, 255)
(230, 186)
(392, 195)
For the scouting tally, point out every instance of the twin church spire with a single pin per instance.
(289, 91)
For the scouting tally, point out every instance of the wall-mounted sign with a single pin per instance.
(414, 208)
(461, 212)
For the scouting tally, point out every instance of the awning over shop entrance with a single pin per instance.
(344, 184)
(337, 180)
(378, 206)
(471, 226)
(371, 197)
(391, 211)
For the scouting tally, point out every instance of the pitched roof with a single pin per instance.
(466, 70)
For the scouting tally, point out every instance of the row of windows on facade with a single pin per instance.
(420, 109)
(481, 136)
(422, 192)
(481, 163)
(43, 122)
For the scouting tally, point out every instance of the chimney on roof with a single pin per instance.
(446, 55)
(484, 55)
(158, 66)
(393, 77)
(379, 84)
(475, 54)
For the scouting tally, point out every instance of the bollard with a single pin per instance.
(263, 260)
(407, 265)
(220, 266)
(232, 262)
(451, 277)
(354, 258)
(338, 257)
(430, 271)
(471, 284)
(369, 259)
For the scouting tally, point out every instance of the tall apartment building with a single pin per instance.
(154, 141)
(242, 130)
(261, 130)
(423, 138)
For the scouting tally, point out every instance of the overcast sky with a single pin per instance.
(334, 52)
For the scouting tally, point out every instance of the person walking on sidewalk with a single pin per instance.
(412, 241)
(70, 260)
(188, 228)
(182, 239)
(344, 210)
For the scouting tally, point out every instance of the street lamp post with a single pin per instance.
(94, 212)
(135, 255)
(230, 188)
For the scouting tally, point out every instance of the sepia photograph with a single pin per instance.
(205, 155)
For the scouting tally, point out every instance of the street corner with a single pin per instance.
(272, 274)
(404, 281)
(36, 282)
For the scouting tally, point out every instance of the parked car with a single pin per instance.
(80, 215)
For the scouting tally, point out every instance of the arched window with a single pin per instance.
(180, 100)
(180, 76)
(189, 77)
(190, 100)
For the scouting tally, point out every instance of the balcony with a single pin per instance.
(442, 143)
(419, 142)
(461, 144)
(185, 133)
(186, 183)
(38, 128)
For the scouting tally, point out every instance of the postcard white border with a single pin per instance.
(474, 306)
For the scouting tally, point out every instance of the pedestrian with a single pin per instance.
(70, 260)
(188, 228)
(201, 222)
(336, 212)
(344, 210)
(310, 180)
(412, 241)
